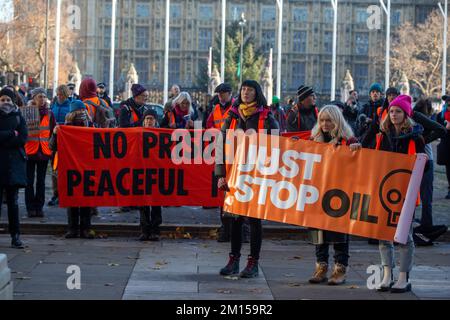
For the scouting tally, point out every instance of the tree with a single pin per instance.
(22, 41)
(253, 59)
(417, 52)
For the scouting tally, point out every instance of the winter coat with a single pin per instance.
(351, 115)
(126, 109)
(325, 236)
(180, 121)
(280, 116)
(397, 144)
(443, 149)
(107, 99)
(60, 110)
(308, 119)
(369, 110)
(13, 159)
(251, 123)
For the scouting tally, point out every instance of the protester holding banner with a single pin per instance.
(132, 109)
(79, 218)
(150, 217)
(332, 128)
(400, 134)
(216, 118)
(443, 149)
(303, 116)
(249, 111)
(13, 136)
(182, 115)
(426, 233)
(39, 154)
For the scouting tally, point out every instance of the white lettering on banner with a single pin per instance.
(306, 194)
(290, 168)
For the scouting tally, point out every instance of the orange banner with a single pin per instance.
(318, 185)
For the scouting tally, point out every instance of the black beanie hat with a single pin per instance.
(304, 92)
(10, 93)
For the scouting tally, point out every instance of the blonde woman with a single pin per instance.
(332, 128)
(397, 133)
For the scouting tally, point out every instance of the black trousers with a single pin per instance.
(151, 219)
(447, 171)
(340, 253)
(12, 196)
(35, 168)
(79, 218)
(255, 236)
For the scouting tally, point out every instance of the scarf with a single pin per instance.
(180, 112)
(247, 109)
(7, 108)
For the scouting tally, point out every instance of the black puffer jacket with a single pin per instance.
(13, 158)
(125, 117)
(308, 119)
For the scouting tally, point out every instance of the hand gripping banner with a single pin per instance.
(366, 193)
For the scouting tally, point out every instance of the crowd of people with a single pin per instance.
(389, 121)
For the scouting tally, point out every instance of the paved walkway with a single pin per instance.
(123, 268)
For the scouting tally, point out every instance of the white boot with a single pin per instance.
(388, 280)
(402, 285)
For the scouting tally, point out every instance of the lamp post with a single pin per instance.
(242, 24)
(387, 10)
(444, 49)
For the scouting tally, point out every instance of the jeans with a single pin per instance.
(426, 196)
(340, 253)
(255, 236)
(12, 195)
(35, 201)
(406, 253)
(150, 219)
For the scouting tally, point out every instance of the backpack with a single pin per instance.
(104, 115)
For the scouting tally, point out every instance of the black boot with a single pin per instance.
(144, 218)
(232, 267)
(15, 242)
(251, 270)
(73, 218)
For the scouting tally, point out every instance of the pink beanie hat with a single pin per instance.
(404, 103)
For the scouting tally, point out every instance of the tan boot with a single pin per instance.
(338, 275)
(320, 275)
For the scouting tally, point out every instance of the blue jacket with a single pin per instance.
(60, 110)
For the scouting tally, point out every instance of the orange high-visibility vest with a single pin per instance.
(40, 139)
(134, 116)
(219, 117)
(382, 114)
(411, 151)
(262, 119)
